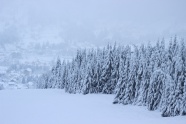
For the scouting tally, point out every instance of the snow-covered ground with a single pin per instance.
(56, 107)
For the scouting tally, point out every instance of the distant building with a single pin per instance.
(3, 71)
(28, 71)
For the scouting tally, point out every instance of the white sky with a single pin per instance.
(95, 21)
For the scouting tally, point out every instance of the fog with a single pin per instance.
(91, 22)
(34, 34)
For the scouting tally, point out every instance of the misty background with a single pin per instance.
(34, 33)
(89, 23)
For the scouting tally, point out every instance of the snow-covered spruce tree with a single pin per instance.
(51, 81)
(75, 74)
(110, 70)
(77, 71)
(100, 68)
(140, 64)
(82, 72)
(156, 88)
(183, 112)
(58, 74)
(42, 82)
(88, 80)
(67, 79)
(106, 72)
(179, 79)
(166, 93)
(146, 74)
(94, 83)
(183, 55)
(115, 65)
(97, 70)
(71, 79)
(124, 91)
(149, 67)
(74, 83)
(64, 75)
(120, 89)
(175, 105)
(122, 59)
(158, 77)
(129, 94)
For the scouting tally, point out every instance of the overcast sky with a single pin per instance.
(92, 21)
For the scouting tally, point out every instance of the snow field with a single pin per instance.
(57, 107)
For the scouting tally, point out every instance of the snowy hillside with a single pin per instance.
(57, 107)
(92, 62)
(22, 63)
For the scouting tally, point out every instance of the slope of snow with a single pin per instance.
(57, 107)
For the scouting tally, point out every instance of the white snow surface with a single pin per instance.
(57, 107)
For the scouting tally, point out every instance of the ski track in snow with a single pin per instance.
(56, 107)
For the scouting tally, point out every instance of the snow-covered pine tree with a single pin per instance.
(106, 71)
(156, 88)
(120, 89)
(82, 71)
(129, 94)
(71, 77)
(88, 75)
(42, 81)
(173, 104)
(64, 75)
(157, 77)
(51, 81)
(58, 74)
(97, 71)
(177, 100)
(143, 92)
(67, 79)
(183, 56)
(95, 76)
(77, 72)
(183, 112)
(108, 88)
(115, 65)
(179, 79)
(140, 65)
(92, 71)
(100, 68)
(166, 96)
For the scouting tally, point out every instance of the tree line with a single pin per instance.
(146, 75)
